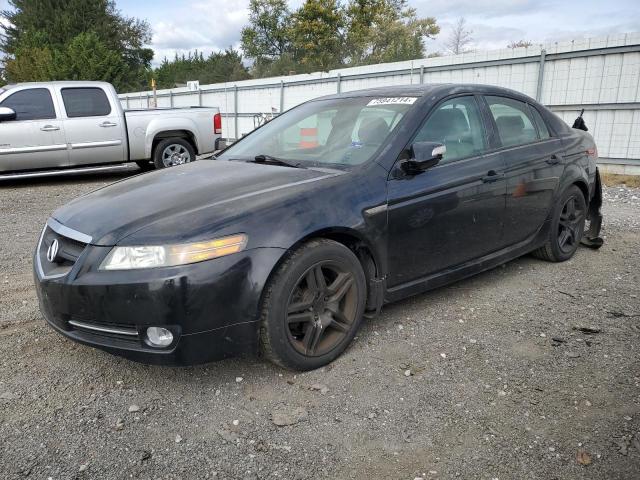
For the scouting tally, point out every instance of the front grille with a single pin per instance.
(69, 250)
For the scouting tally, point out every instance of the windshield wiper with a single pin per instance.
(262, 158)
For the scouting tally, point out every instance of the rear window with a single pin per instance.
(513, 120)
(85, 102)
(31, 104)
(540, 123)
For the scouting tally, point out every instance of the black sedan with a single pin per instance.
(296, 233)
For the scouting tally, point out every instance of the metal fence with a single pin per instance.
(601, 75)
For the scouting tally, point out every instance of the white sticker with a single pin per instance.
(392, 101)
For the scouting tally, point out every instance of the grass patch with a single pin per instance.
(612, 179)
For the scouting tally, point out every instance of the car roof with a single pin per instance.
(421, 90)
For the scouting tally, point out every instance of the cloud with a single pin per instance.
(207, 26)
(476, 8)
(495, 24)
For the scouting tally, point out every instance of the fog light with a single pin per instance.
(159, 337)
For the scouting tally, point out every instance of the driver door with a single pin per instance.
(452, 213)
(35, 139)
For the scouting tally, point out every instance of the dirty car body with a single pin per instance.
(413, 224)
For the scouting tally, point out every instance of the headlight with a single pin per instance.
(128, 258)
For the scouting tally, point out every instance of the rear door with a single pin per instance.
(533, 165)
(35, 139)
(95, 131)
(451, 213)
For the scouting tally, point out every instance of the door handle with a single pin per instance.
(553, 159)
(492, 176)
(49, 128)
(108, 124)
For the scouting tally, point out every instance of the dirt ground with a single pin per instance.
(531, 370)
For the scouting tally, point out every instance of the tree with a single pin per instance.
(520, 44)
(459, 38)
(325, 34)
(386, 31)
(65, 27)
(316, 34)
(267, 40)
(217, 67)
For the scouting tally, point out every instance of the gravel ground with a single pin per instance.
(531, 370)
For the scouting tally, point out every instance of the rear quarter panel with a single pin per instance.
(144, 125)
(579, 166)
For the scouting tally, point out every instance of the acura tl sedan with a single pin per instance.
(285, 242)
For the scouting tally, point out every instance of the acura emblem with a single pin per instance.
(52, 252)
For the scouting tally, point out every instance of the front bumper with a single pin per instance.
(212, 308)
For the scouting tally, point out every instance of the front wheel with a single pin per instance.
(171, 152)
(567, 227)
(313, 306)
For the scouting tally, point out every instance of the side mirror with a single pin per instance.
(7, 114)
(423, 155)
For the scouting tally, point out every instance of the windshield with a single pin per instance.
(341, 132)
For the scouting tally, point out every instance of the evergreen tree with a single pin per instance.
(48, 33)
(217, 67)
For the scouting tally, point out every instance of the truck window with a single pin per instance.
(31, 104)
(85, 102)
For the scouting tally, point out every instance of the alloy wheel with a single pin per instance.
(321, 309)
(175, 154)
(571, 220)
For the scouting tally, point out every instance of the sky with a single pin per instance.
(210, 25)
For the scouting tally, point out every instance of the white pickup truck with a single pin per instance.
(58, 127)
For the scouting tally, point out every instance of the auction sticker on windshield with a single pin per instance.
(392, 101)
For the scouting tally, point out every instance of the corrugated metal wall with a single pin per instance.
(601, 75)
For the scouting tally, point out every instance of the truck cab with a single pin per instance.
(55, 126)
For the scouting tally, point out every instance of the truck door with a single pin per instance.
(94, 128)
(36, 138)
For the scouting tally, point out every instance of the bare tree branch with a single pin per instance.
(459, 38)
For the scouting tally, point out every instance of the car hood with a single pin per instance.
(119, 210)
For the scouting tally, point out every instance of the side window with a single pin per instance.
(456, 124)
(31, 104)
(543, 131)
(85, 102)
(513, 119)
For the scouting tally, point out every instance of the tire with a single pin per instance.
(567, 227)
(145, 165)
(173, 151)
(313, 306)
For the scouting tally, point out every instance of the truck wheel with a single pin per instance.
(567, 227)
(173, 151)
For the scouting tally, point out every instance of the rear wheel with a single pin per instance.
(171, 152)
(313, 306)
(567, 227)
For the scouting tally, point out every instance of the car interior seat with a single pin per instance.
(511, 129)
(449, 126)
(373, 131)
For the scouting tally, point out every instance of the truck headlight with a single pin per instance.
(129, 258)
